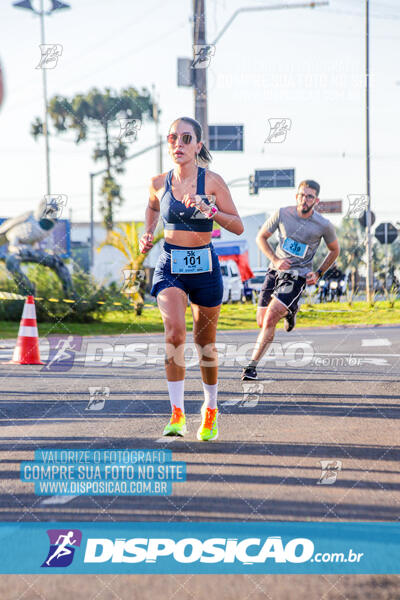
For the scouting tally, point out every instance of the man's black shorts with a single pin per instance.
(284, 286)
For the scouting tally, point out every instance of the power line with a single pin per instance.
(152, 41)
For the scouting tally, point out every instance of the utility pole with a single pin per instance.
(200, 74)
(370, 274)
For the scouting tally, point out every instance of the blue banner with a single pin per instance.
(165, 547)
(69, 472)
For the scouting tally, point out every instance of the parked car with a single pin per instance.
(255, 283)
(232, 282)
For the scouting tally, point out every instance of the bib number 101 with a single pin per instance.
(191, 260)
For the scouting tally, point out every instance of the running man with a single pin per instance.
(62, 354)
(62, 549)
(188, 266)
(300, 231)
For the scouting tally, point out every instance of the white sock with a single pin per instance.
(210, 394)
(176, 390)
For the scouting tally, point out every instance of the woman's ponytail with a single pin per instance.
(204, 156)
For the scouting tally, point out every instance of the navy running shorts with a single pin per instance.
(204, 289)
(285, 286)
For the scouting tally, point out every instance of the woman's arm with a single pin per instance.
(152, 214)
(227, 215)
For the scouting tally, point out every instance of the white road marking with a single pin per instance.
(369, 342)
(57, 500)
(379, 362)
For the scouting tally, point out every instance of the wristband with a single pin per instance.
(319, 273)
(212, 213)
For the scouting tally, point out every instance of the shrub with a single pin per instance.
(93, 299)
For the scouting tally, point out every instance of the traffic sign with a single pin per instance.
(274, 178)
(185, 72)
(386, 233)
(226, 138)
(329, 206)
(363, 219)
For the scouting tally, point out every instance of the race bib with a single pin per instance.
(195, 260)
(295, 248)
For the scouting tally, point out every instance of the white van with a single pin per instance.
(232, 281)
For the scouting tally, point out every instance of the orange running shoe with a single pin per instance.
(208, 429)
(177, 423)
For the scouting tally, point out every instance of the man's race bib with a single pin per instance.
(295, 248)
(194, 260)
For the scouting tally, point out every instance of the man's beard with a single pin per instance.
(307, 209)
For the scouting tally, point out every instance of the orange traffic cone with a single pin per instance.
(26, 351)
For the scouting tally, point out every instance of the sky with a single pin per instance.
(306, 65)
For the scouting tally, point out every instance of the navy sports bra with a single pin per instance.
(175, 215)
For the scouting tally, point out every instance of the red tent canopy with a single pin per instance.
(237, 251)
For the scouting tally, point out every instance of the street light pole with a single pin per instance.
(46, 112)
(55, 5)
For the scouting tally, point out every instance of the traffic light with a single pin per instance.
(253, 187)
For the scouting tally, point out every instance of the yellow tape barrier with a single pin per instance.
(11, 296)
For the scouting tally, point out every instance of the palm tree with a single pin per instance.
(127, 241)
(98, 114)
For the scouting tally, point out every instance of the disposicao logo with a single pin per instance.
(190, 550)
(62, 542)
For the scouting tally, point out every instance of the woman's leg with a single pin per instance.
(205, 321)
(172, 303)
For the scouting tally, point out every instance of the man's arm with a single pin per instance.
(281, 264)
(334, 250)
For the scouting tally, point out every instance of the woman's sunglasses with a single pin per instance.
(186, 138)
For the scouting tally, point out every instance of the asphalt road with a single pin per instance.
(323, 395)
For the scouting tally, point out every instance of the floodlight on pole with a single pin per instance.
(54, 6)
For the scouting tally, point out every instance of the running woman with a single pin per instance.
(300, 231)
(188, 266)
